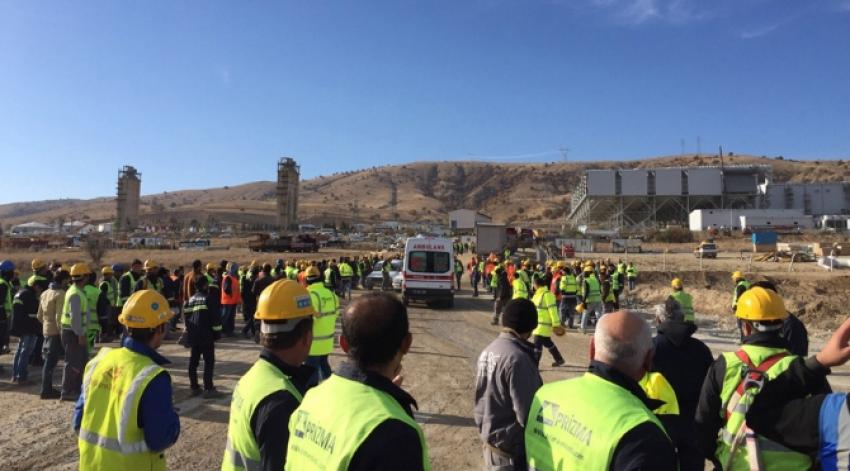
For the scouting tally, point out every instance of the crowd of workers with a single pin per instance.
(644, 403)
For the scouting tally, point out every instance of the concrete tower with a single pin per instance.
(129, 193)
(288, 173)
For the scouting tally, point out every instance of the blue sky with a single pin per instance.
(206, 94)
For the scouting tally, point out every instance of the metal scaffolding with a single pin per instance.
(288, 175)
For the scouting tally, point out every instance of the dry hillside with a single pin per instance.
(419, 191)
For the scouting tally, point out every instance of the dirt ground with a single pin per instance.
(439, 370)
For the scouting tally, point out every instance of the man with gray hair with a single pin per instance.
(602, 420)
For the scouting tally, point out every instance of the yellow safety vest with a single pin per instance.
(262, 380)
(745, 284)
(110, 437)
(774, 456)
(66, 308)
(547, 312)
(520, 289)
(345, 270)
(687, 302)
(7, 303)
(656, 386)
(133, 281)
(335, 418)
(577, 423)
(591, 291)
(92, 295)
(568, 284)
(326, 303)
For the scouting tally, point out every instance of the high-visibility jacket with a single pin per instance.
(111, 290)
(615, 281)
(458, 267)
(494, 277)
(7, 303)
(555, 285)
(631, 272)
(567, 428)
(211, 281)
(687, 302)
(156, 284)
(520, 289)
(591, 291)
(262, 380)
(345, 270)
(547, 312)
(745, 284)
(335, 419)
(291, 273)
(133, 281)
(110, 437)
(735, 403)
(568, 284)
(66, 308)
(235, 296)
(92, 296)
(621, 268)
(326, 303)
(523, 275)
(656, 386)
(329, 276)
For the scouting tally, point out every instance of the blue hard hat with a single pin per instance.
(117, 267)
(6, 265)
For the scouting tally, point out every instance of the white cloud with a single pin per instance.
(636, 12)
(760, 31)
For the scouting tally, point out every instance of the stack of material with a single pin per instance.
(764, 242)
(825, 249)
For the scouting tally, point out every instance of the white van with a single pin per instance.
(428, 269)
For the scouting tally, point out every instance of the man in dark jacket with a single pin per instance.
(683, 361)
(793, 330)
(249, 300)
(25, 326)
(202, 330)
(505, 383)
(503, 292)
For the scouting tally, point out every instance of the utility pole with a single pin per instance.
(699, 146)
(682, 146)
(564, 150)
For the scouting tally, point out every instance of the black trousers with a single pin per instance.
(208, 352)
(540, 342)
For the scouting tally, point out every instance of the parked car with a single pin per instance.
(397, 280)
(706, 250)
(376, 278)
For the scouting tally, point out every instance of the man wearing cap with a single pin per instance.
(125, 418)
(74, 320)
(25, 326)
(505, 383)
(267, 395)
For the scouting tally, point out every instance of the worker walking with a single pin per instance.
(346, 275)
(591, 298)
(266, 396)
(124, 417)
(631, 275)
(603, 419)
(741, 285)
(230, 298)
(326, 304)
(458, 269)
(734, 381)
(505, 383)
(685, 300)
(548, 322)
(360, 419)
(74, 319)
(569, 296)
(502, 292)
(50, 314)
(519, 287)
(202, 331)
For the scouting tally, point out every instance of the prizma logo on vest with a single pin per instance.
(567, 423)
(305, 428)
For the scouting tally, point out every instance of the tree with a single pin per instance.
(96, 248)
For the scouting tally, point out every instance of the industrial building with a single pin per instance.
(816, 199)
(128, 199)
(653, 197)
(288, 175)
(752, 219)
(463, 220)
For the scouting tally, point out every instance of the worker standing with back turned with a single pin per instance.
(685, 300)
(360, 419)
(73, 321)
(326, 304)
(266, 396)
(548, 322)
(125, 417)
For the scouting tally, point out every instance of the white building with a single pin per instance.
(817, 199)
(32, 228)
(705, 219)
(465, 219)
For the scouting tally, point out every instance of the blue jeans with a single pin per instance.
(228, 318)
(346, 288)
(323, 369)
(22, 357)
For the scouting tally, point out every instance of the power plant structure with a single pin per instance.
(128, 198)
(288, 175)
(656, 197)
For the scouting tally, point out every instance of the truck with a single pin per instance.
(283, 243)
(706, 249)
(625, 245)
(490, 238)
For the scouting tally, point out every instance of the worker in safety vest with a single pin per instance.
(109, 287)
(326, 304)
(591, 298)
(568, 285)
(741, 285)
(266, 396)
(519, 287)
(231, 296)
(548, 322)
(736, 378)
(346, 275)
(128, 281)
(685, 300)
(360, 419)
(502, 291)
(603, 419)
(73, 321)
(98, 308)
(125, 418)
(631, 275)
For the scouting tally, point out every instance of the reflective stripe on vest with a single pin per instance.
(566, 414)
(735, 402)
(547, 312)
(109, 436)
(73, 290)
(520, 289)
(92, 296)
(133, 281)
(259, 382)
(326, 303)
(326, 432)
(656, 386)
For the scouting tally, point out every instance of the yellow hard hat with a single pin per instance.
(588, 269)
(312, 272)
(676, 283)
(150, 264)
(760, 304)
(211, 266)
(145, 309)
(284, 300)
(580, 308)
(107, 270)
(37, 263)
(80, 269)
(737, 275)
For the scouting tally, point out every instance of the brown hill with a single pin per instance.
(420, 191)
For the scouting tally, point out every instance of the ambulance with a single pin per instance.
(427, 271)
